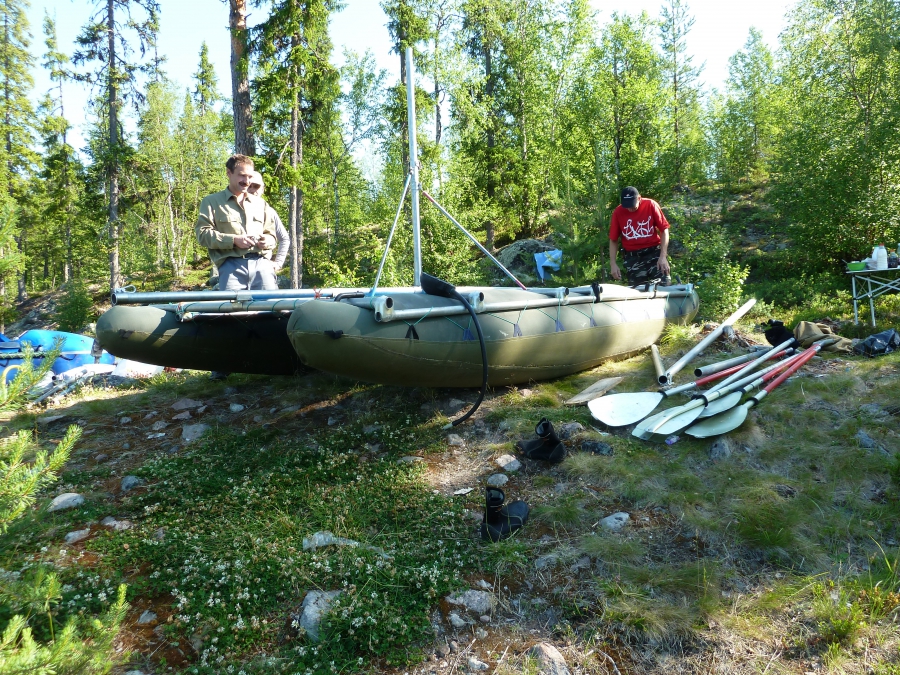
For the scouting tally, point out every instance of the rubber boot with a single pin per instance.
(546, 447)
(502, 521)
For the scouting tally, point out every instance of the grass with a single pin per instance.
(790, 542)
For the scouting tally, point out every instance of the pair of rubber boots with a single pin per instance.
(502, 521)
(546, 447)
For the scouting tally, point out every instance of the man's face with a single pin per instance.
(239, 179)
(634, 208)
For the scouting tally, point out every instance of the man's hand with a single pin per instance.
(244, 241)
(663, 265)
(614, 271)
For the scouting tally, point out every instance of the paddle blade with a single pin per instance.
(721, 404)
(719, 424)
(668, 422)
(620, 410)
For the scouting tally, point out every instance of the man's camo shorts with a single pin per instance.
(641, 266)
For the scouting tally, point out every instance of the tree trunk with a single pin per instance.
(491, 142)
(244, 142)
(112, 102)
(337, 207)
(295, 217)
(67, 267)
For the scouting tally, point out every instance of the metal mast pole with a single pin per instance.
(413, 167)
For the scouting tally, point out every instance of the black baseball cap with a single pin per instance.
(630, 197)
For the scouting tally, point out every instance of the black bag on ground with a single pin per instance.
(777, 333)
(880, 343)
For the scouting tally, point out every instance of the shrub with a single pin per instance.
(76, 308)
(721, 291)
(79, 647)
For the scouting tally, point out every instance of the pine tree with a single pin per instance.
(107, 42)
(244, 138)
(16, 112)
(295, 40)
(206, 89)
(683, 92)
(61, 167)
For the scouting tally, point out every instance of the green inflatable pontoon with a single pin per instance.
(250, 343)
(544, 337)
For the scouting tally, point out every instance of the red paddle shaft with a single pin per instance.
(800, 361)
(728, 371)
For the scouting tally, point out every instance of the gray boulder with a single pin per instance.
(67, 500)
(616, 521)
(315, 605)
(550, 661)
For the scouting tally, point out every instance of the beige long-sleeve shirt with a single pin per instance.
(221, 219)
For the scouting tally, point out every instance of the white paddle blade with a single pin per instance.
(719, 424)
(668, 422)
(620, 410)
(721, 404)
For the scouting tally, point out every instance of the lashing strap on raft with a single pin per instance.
(411, 332)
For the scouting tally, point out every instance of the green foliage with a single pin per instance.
(21, 479)
(721, 291)
(230, 577)
(75, 308)
(838, 128)
(17, 393)
(31, 601)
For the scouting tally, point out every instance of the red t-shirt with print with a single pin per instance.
(638, 229)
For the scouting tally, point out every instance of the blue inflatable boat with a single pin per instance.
(76, 351)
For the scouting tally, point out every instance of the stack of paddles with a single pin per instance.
(714, 411)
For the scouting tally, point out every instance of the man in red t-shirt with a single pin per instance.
(644, 231)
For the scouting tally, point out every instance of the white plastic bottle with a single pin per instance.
(881, 258)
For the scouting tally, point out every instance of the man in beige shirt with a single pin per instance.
(232, 224)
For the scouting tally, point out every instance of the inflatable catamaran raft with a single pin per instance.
(430, 334)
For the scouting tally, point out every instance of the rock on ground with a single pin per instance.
(720, 449)
(131, 482)
(508, 463)
(67, 500)
(498, 480)
(455, 440)
(597, 448)
(550, 660)
(315, 605)
(616, 521)
(191, 432)
(186, 404)
(865, 441)
(77, 535)
(456, 620)
(476, 665)
(479, 602)
(186, 415)
(569, 429)
(43, 421)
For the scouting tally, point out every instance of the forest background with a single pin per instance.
(533, 116)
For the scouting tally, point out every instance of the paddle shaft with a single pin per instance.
(703, 371)
(657, 361)
(797, 365)
(747, 367)
(714, 376)
(666, 377)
